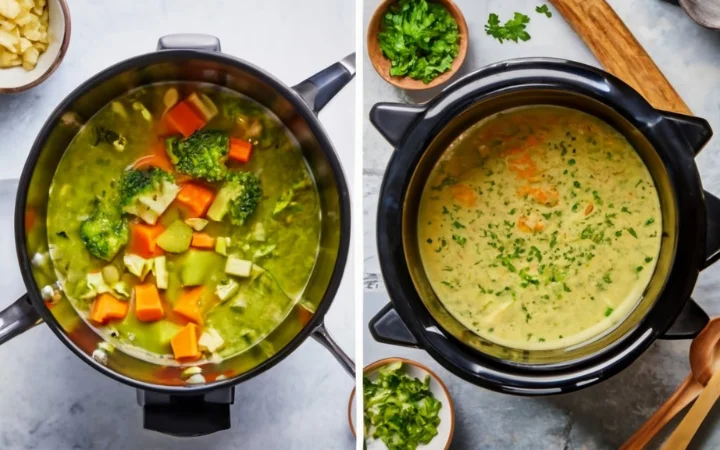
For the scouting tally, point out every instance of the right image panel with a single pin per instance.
(536, 217)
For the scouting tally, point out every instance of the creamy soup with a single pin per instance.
(539, 228)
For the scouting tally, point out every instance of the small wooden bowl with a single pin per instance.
(382, 64)
(17, 79)
(447, 413)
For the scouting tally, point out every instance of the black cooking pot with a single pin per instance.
(170, 405)
(666, 142)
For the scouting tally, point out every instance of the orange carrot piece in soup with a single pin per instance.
(240, 150)
(202, 240)
(157, 158)
(106, 308)
(195, 199)
(185, 343)
(148, 307)
(143, 240)
(188, 305)
(464, 194)
(183, 119)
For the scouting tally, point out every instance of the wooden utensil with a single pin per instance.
(685, 394)
(703, 359)
(382, 64)
(619, 52)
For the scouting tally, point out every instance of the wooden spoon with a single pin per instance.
(685, 394)
(703, 359)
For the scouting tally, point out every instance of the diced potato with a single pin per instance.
(8, 40)
(226, 289)
(23, 32)
(238, 267)
(160, 272)
(196, 223)
(7, 25)
(210, 340)
(10, 8)
(30, 58)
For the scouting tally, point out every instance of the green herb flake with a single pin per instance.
(650, 221)
(632, 232)
(543, 9)
(420, 38)
(571, 162)
(648, 259)
(608, 311)
(399, 409)
(511, 30)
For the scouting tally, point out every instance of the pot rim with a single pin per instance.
(579, 79)
(318, 131)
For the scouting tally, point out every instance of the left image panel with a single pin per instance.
(175, 204)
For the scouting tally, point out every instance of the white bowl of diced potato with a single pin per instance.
(34, 36)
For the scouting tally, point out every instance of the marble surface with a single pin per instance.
(49, 399)
(603, 416)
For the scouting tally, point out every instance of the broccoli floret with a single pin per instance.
(239, 197)
(105, 232)
(147, 193)
(202, 155)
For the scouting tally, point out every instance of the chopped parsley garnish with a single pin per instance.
(543, 9)
(458, 225)
(608, 311)
(648, 259)
(632, 232)
(571, 162)
(511, 30)
(420, 38)
(650, 221)
(400, 410)
(639, 269)
(459, 239)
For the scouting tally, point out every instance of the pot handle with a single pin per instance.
(186, 415)
(321, 335)
(388, 328)
(392, 120)
(712, 243)
(189, 41)
(319, 89)
(697, 131)
(689, 323)
(18, 318)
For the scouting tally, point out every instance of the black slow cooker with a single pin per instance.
(667, 143)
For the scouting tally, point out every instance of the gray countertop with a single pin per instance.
(49, 399)
(603, 416)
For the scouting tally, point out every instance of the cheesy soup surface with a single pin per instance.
(539, 228)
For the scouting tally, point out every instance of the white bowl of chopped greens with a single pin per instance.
(406, 406)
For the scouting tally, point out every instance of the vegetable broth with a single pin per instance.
(539, 228)
(280, 237)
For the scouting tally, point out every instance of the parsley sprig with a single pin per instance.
(512, 30)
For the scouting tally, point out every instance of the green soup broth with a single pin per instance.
(280, 237)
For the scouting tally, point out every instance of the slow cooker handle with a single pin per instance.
(321, 335)
(319, 89)
(186, 415)
(697, 131)
(17, 319)
(689, 323)
(387, 327)
(392, 120)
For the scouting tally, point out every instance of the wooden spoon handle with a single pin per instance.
(683, 434)
(619, 52)
(688, 391)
